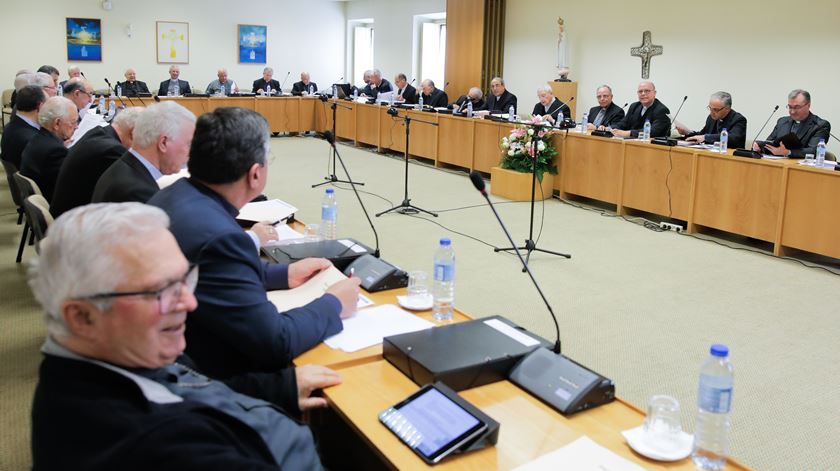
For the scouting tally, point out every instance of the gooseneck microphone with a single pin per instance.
(330, 138)
(566, 104)
(478, 183)
(765, 123)
(679, 109)
(280, 92)
(625, 105)
(115, 92)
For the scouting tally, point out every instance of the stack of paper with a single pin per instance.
(271, 210)
(313, 289)
(581, 455)
(367, 328)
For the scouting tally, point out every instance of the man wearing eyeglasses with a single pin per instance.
(117, 291)
(721, 116)
(80, 92)
(808, 127)
(42, 158)
(648, 108)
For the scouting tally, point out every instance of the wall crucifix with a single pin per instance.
(645, 52)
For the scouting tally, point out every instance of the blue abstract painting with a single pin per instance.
(84, 39)
(252, 44)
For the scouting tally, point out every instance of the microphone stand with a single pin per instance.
(332, 177)
(406, 207)
(530, 244)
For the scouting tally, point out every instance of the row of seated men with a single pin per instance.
(175, 86)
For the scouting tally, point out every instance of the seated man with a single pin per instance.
(366, 79)
(72, 72)
(648, 108)
(161, 144)
(222, 83)
(808, 127)
(132, 86)
(376, 85)
(267, 85)
(548, 106)
(405, 92)
(23, 125)
(174, 86)
(721, 116)
(116, 291)
(89, 158)
(80, 92)
(500, 100)
(432, 96)
(236, 329)
(305, 86)
(45, 152)
(607, 113)
(474, 95)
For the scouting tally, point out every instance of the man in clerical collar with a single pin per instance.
(376, 85)
(500, 100)
(721, 116)
(174, 86)
(808, 127)
(132, 86)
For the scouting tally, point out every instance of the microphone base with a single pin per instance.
(530, 246)
(407, 208)
(664, 142)
(334, 179)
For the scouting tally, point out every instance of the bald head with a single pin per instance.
(646, 93)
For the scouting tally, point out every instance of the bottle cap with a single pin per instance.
(719, 350)
(724, 129)
(329, 191)
(445, 241)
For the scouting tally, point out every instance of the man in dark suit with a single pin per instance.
(117, 291)
(80, 92)
(161, 145)
(499, 100)
(377, 85)
(366, 79)
(23, 125)
(174, 86)
(305, 86)
(648, 108)
(808, 127)
(132, 86)
(434, 97)
(405, 92)
(72, 72)
(235, 328)
(42, 157)
(266, 84)
(721, 116)
(548, 106)
(89, 158)
(475, 96)
(607, 113)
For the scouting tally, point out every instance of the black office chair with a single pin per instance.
(26, 188)
(38, 214)
(11, 169)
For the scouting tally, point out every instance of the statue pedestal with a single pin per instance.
(564, 91)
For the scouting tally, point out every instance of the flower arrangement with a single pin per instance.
(518, 150)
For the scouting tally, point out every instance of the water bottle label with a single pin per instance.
(444, 272)
(328, 213)
(716, 400)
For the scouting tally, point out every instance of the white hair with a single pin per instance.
(23, 80)
(545, 89)
(269, 70)
(376, 73)
(427, 83)
(54, 108)
(161, 119)
(173, 67)
(127, 118)
(81, 255)
(71, 69)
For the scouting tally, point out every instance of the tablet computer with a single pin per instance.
(434, 422)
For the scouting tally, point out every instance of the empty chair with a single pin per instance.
(26, 188)
(38, 215)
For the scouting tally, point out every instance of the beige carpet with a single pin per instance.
(638, 306)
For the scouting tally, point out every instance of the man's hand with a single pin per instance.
(698, 138)
(682, 129)
(265, 231)
(312, 377)
(548, 118)
(590, 126)
(781, 150)
(303, 270)
(347, 292)
(620, 133)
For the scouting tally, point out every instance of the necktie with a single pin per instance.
(600, 118)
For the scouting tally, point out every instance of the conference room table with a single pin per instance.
(778, 201)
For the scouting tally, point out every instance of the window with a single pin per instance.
(360, 49)
(430, 48)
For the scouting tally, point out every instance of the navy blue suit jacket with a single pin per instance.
(236, 329)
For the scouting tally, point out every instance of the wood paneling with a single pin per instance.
(657, 179)
(369, 132)
(424, 137)
(456, 141)
(464, 43)
(592, 167)
(810, 219)
(565, 91)
(487, 153)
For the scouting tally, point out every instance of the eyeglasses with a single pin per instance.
(167, 296)
(797, 107)
(644, 91)
(715, 110)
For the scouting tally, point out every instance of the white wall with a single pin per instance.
(758, 50)
(301, 36)
(393, 31)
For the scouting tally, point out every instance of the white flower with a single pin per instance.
(530, 132)
(540, 146)
(511, 152)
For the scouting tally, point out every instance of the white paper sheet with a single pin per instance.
(368, 327)
(310, 291)
(271, 210)
(581, 455)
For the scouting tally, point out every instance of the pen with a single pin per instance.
(352, 271)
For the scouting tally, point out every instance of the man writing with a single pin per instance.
(721, 116)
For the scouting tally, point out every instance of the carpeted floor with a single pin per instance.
(638, 306)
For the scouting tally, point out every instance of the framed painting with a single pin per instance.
(84, 39)
(252, 44)
(173, 42)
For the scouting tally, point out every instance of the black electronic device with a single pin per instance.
(344, 90)
(436, 422)
(341, 252)
(561, 382)
(600, 133)
(664, 141)
(749, 153)
(377, 274)
(196, 95)
(463, 355)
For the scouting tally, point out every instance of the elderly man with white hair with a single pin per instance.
(222, 84)
(474, 95)
(132, 86)
(305, 87)
(116, 291)
(433, 96)
(377, 85)
(43, 156)
(161, 145)
(174, 86)
(267, 85)
(80, 92)
(72, 72)
(548, 106)
(89, 158)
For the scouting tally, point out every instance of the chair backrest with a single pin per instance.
(26, 186)
(7, 97)
(11, 170)
(830, 156)
(38, 213)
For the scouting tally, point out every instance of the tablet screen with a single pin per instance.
(439, 420)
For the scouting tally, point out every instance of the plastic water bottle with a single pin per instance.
(469, 109)
(714, 403)
(355, 93)
(511, 114)
(119, 90)
(420, 102)
(646, 131)
(329, 214)
(112, 109)
(559, 120)
(724, 141)
(103, 106)
(335, 92)
(391, 100)
(268, 90)
(820, 153)
(584, 121)
(311, 89)
(222, 90)
(59, 91)
(443, 290)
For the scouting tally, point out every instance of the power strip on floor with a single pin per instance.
(671, 227)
